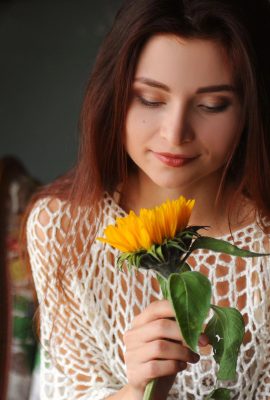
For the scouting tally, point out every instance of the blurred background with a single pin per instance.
(47, 50)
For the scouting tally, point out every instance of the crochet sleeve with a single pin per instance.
(263, 390)
(72, 364)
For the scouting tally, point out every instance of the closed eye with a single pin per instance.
(149, 103)
(214, 109)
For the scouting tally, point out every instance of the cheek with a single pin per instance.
(221, 137)
(231, 131)
(133, 128)
(138, 127)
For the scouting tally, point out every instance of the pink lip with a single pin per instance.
(174, 160)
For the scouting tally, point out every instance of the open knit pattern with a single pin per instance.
(82, 357)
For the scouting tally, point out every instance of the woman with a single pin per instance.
(177, 104)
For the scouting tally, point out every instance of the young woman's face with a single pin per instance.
(185, 115)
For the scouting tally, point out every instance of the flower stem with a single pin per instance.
(149, 390)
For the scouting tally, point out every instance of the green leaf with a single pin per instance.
(153, 252)
(221, 246)
(219, 394)
(159, 253)
(178, 246)
(121, 259)
(190, 294)
(226, 331)
(184, 268)
(163, 285)
(191, 231)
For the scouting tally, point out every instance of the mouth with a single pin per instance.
(174, 160)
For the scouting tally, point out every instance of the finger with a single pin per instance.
(203, 340)
(154, 369)
(161, 350)
(157, 310)
(158, 329)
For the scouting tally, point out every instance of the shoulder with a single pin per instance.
(55, 227)
(47, 216)
(45, 210)
(53, 222)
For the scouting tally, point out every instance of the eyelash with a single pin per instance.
(151, 104)
(215, 109)
(208, 109)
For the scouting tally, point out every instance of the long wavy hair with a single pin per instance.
(241, 26)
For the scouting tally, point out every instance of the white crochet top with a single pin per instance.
(83, 357)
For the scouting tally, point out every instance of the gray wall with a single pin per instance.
(47, 49)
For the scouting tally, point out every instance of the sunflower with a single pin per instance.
(135, 233)
(160, 239)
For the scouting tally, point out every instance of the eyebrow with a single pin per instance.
(206, 89)
(216, 88)
(153, 83)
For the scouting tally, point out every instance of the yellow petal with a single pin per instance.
(135, 232)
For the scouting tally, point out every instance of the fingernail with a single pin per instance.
(195, 357)
(203, 340)
(182, 365)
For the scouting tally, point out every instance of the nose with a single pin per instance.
(177, 128)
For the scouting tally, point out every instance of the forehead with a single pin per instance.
(181, 62)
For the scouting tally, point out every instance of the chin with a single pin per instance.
(176, 183)
(170, 184)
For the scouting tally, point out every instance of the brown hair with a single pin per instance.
(240, 25)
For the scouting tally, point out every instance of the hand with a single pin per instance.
(155, 349)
